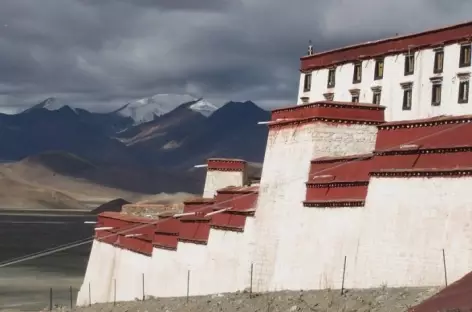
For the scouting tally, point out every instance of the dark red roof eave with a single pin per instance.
(393, 45)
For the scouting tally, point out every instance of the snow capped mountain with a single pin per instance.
(142, 110)
(145, 110)
(51, 104)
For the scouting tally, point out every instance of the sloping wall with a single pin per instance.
(287, 238)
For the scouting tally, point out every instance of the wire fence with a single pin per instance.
(64, 299)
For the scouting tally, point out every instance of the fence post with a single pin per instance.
(114, 291)
(188, 284)
(50, 299)
(70, 293)
(445, 269)
(90, 295)
(143, 288)
(250, 286)
(344, 274)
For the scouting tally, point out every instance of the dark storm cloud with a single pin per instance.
(168, 4)
(107, 52)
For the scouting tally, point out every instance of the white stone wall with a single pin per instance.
(216, 180)
(392, 93)
(107, 264)
(283, 225)
(221, 266)
(405, 226)
(224, 265)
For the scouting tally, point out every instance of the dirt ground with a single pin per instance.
(379, 300)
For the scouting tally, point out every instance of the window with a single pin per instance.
(407, 99)
(332, 77)
(463, 91)
(357, 73)
(329, 96)
(438, 62)
(379, 69)
(376, 97)
(436, 94)
(409, 64)
(355, 95)
(465, 56)
(307, 83)
(407, 95)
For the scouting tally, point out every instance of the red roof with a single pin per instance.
(443, 131)
(330, 109)
(394, 45)
(224, 164)
(455, 297)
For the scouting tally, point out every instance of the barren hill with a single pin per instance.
(63, 180)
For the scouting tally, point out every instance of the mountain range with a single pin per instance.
(145, 147)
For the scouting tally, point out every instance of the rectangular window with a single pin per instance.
(409, 64)
(331, 78)
(464, 92)
(357, 73)
(436, 94)
(407, 99)
(379, 69)
(438, 62)
(307, 83)
(465, 56)
(376, 98)
(355, 98)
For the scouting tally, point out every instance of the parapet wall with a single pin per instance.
(222, 173)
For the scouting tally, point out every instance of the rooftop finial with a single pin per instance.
(310, 48)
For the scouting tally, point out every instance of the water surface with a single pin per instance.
(26, 285)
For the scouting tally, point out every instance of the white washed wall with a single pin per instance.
(281, 218)
(392, 93)
(106, 264)
(216, 180)
(407, 223)
(224, 265)
(221, 266)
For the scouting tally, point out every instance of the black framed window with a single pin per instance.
(307, 83)
(436, 94)
(464, 59)
(409, 64)
(379, 69)
(438, 62)
(463, 92)
(357, 77)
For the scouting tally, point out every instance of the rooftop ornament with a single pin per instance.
(310, 48)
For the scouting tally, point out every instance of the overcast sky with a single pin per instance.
(103, 53)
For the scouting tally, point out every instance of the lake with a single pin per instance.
(26, 286)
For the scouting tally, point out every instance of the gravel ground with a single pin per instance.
(379, 300)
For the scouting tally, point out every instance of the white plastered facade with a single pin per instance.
(406, 224)
(216, 180)
(292, 240)
(224, 265)
(393, 77)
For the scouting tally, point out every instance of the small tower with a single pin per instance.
(310, 48)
